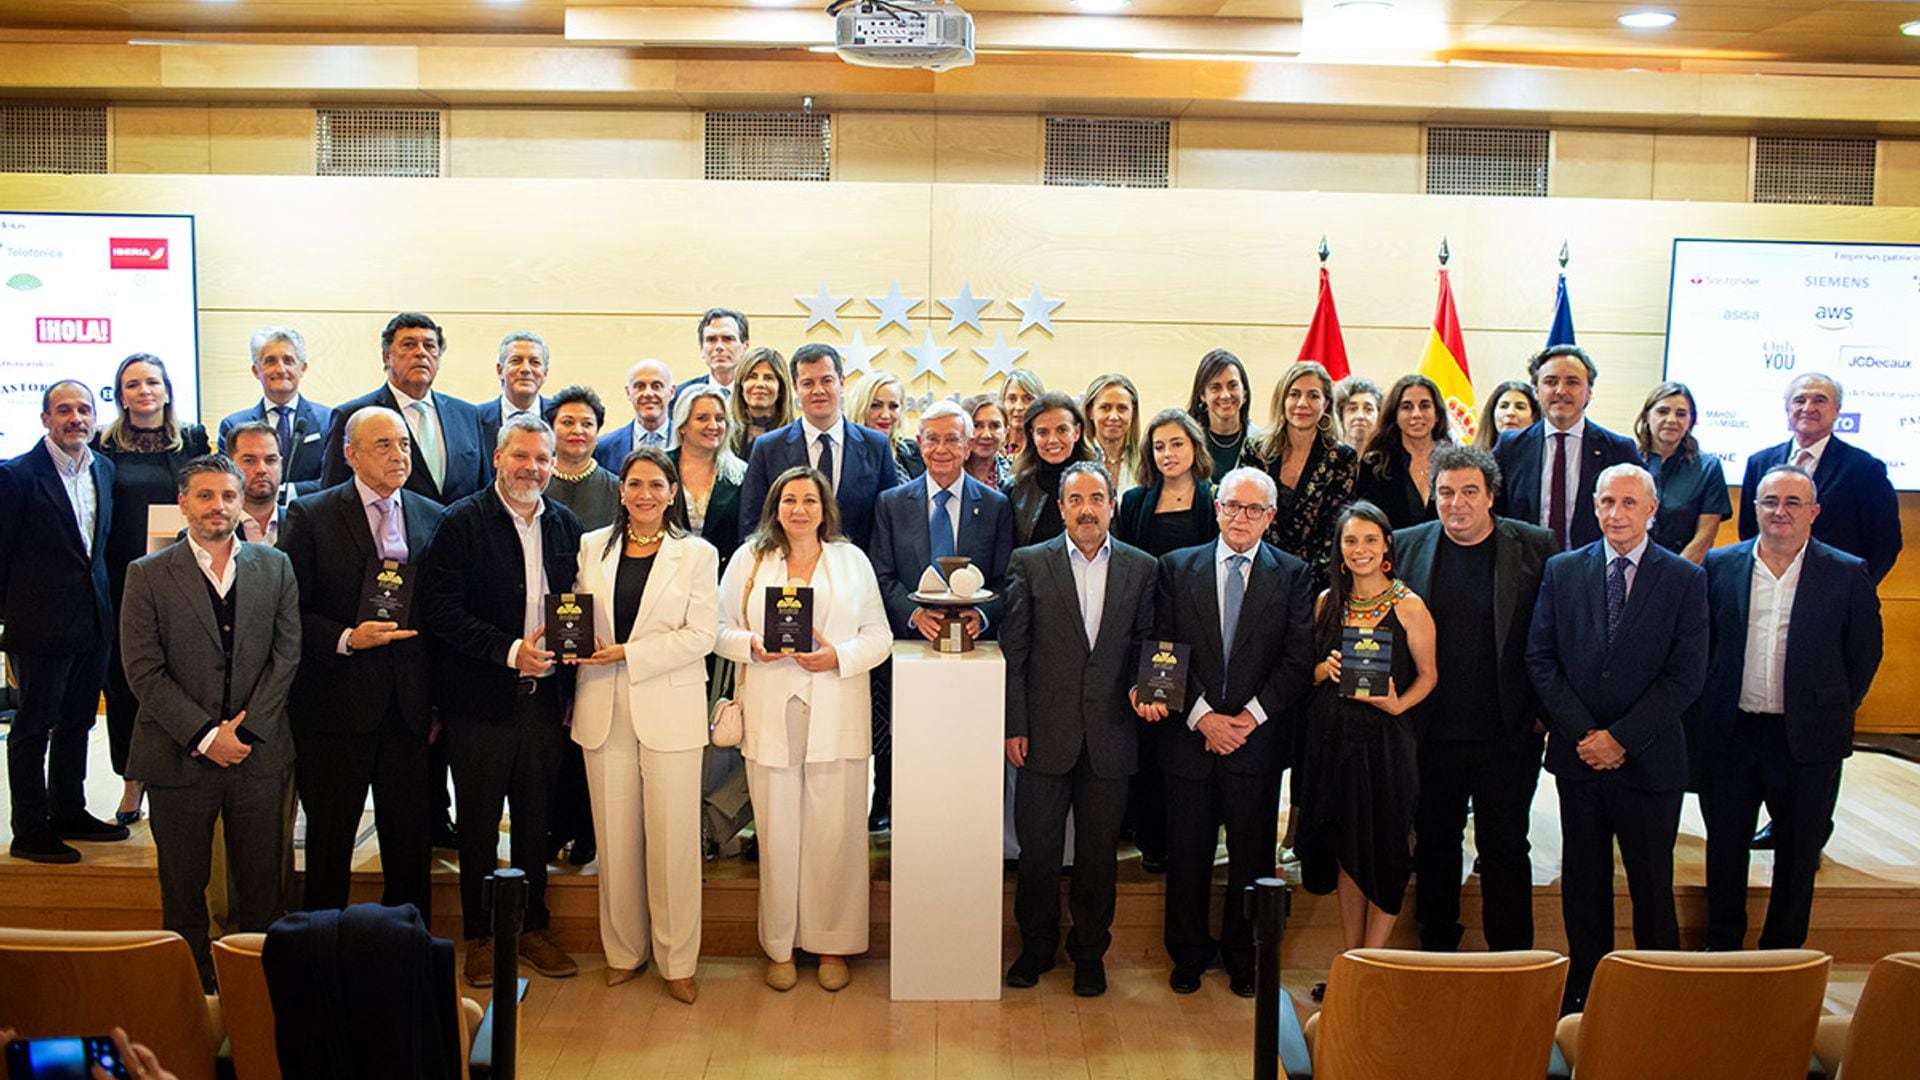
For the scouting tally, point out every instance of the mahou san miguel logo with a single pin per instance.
(135, 253)
(53, 330)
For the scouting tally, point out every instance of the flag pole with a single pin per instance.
(1324, 250)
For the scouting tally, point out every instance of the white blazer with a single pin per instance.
(848, 611)
(665, 669)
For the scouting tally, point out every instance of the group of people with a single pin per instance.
(1538, 585)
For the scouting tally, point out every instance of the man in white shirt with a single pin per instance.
(451, 460)
(522, 370)
(254, 448)
(650, 392)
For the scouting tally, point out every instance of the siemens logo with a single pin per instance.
(1867, 360)
(1822, 281)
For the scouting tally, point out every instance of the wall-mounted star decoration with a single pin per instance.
(893, 307)
(824, 307)
(856, 357)
(1035, 310)
(964, 309)
(928, 357)
(1000, 356)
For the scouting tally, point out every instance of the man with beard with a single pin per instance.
(1551, 468)
(254, 447)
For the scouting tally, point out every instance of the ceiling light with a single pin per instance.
(1911, 29)
(1647, 20)
(1101, 7)
(1363, 6)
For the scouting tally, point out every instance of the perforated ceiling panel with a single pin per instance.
(769, 146)
(53, 138)
(1487, 161)
(1086, 151)
(376, 142)
(1801, 169)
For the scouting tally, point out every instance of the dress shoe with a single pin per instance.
(581, 853)
(85, 827)
(43, 848)
(618, 975)
(543, 956)
(1089, 978)
(1153, 864)
(1184, 980)
(1763, 840)
(446, 836)
(782, 975)
(1319, 992)
(879, 821)
(127, 817)
(1241, 983)
(1028, 968)
(480, 962)
(685, 991)
(834, 974)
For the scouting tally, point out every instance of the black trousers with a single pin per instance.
(334, 772)
(498, 763)
(47, 746)
(1248, 805)
(572, 808)
(123, 710)
(1499, 777)
(1147, 798)
(1040, 805)
(248, 800)
(1758, 767)
(1593, 815)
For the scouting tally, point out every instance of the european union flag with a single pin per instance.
(1561, 332)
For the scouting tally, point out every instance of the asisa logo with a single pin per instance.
(137, 253)
(61, 331)
(1833, 316)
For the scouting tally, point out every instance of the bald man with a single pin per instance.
(650, 392)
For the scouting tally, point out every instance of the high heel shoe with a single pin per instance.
(128, 817)
(683, 990)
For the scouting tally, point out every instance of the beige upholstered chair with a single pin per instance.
(1876, 1042)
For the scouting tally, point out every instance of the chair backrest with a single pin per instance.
(1706, 1016)
(1877, 1046)
(247, 1006)
(80, 982)
(1390, 1012)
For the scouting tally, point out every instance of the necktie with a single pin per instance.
(391, 543)
(1804, 460)
(1616, 595)
(1230, 614)
(652, 439)
(940, 527)
(825, 464)
(283, 425)
(1557, 492)
(427, 435)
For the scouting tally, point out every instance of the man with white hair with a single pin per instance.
(300, 423)
(1617, 651)
(522, 370)
(650, 392)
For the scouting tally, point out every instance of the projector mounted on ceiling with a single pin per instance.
(934, 35)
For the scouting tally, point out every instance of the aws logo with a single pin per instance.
(1833, 316)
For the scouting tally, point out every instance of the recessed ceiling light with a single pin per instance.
(1647, 20)
(1363, 6)
(1911, 29)
(1101, 7)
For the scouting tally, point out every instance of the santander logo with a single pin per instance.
(137, 253)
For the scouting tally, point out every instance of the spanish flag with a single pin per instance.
(1445, 362)
(1324, 343)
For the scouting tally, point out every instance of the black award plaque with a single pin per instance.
(570, 625)
(1162, 678)
(789, 619)
(1366, 661)
(387, 592)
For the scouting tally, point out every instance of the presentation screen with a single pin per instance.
(78, 294)
(1744, 317)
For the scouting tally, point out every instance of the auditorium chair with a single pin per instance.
(88, 982)
(1705, 1016)
(1872, 1043)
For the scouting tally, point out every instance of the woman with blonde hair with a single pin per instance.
(879, 402)
(1112, 408)
(1020, 390)
(985, 462)
(1313, 469)
(762, 400)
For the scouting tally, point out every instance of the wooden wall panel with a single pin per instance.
(1898, 181)
(1288, 155)
(162, 139)
(275, 141)
(976, 148)
(1602, 164)
(604, 144)
(1703, 168)
(884, 147)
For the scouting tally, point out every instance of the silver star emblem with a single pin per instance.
(927, 358)
(823, 307)
(1035, 310)
(964, 309)
(857, 356)
(1000, 356)
(893, 307)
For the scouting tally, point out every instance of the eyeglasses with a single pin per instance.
(1774, 502)
(1251, 510)
(952, 442)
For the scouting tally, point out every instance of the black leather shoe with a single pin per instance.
(879, 821)
(1026, 971)
(1184, 980)
(1763, 840)
(44, 848)
(1241, 983)
(1089, 978)
(446, 836)
(85, 827)
(1153, 864)
(581, 853)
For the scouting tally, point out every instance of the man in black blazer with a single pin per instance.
(1480, 576)
(858, 460)
(1795, 644)
(362, 704)
(299, 423)
(450, 460)
(56, 505)
(1223, 758)
(482, 594)
(1859, 511)
(1618, 652)
(1078, 607)
(1551, 467)
(522, 370)
(254, 448)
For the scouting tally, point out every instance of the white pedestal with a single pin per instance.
(949, 743)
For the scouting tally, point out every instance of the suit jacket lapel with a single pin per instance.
(419, 523)
(1506, 585)
(354, 517)
(1262, 583)
(970, 499)
(919, 525)
(56, 493)
(1206, 585)
(252, 619)
(1059, 560)
(1120, 582)
(192, 583)
(1646, 581)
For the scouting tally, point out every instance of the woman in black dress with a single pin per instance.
(147, 445)
(1313, 470)
(1358, 781)
(1395, 471)
(1173, 506)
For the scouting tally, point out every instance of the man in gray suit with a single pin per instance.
(210, 635)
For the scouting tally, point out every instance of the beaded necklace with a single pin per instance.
(1372, 609)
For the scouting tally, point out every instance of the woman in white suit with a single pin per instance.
(808, 726)
(640, 714)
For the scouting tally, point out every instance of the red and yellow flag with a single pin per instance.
(1445, 362)
(1324, 342)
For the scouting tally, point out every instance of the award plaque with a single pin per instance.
(387, 593)
(789, 619)
(1162, 678)
(1366, 661)
(570, 625)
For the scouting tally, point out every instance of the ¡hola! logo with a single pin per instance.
(137, 253)
(54, 330)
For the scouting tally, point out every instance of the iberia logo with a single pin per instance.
(134, 253)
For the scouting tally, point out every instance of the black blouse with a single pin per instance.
(1138, 524)
(629, 586)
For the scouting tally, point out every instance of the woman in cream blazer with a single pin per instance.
(640, 715)
(808, 726)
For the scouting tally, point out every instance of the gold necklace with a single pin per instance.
(645, 541)
(574, 478)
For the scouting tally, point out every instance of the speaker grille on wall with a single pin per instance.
(1487, 161)
(376, 142)
(53, 138)
(1802, 169)
(769, 146)
(1085, 151)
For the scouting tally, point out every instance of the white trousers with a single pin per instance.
(812, 823)
(646, 820)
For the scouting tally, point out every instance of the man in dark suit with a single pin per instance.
(650, 392)
(56, 505)
(210, 635)
(362, 704)
(1078, 607)
(723, 341)
(1859, 511)
(1795, 644)
(482, 595)
(299, 423)
(1618, 651)
(858, 460)
(1551, 467)
(450, 461)
(1480, 576)
(522, 370)
(1245, 609)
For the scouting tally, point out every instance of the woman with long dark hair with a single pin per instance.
(1223, 405)
(1691, 486)
(1513, 406)
(1173, 506)
(1313, 469)
(762, 400)
(1395, 471)
(1054, 439)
